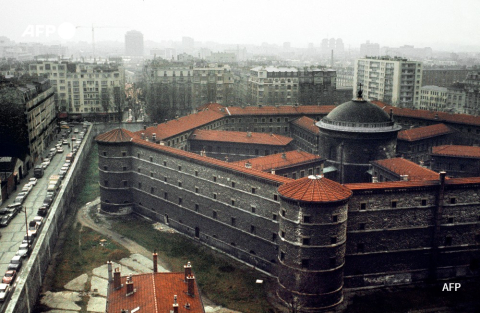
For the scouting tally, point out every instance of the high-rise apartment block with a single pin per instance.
(213, 83)
(395, 81)
(369, 49)
(85, 90)
(134, 43)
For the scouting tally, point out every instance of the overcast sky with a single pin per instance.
(451, 25)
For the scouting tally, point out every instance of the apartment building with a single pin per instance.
(213, 83)
(435, 98)
(134, 43)
(472, 87)
(396, 81)
(85, 90)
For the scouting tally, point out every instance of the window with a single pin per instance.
(196, 173)
(306, 241)
(139, 170)
(302, 174)
(333, 240)
(214, 214)
(233, 221)
(233, 184)
(294, 175)
(360, 247)
(252, 229)
(282, 234)
(105, 168)
(196, 189)
(305, 263)
(152, 190)
(138, 155)
(105, 183)
(453, 200)
(125, 183)
(424, 202)
(448, 240)
(282, 255)
(333, 262)
(363, 206)
(165, 195)
(253, 190)
(361, 226)
(124, 153)
(283, 213)
(233, 202)
(139, 185)
(165, 179)
(306, 219)
(215, 196)
(394, 204)
(124, 168)
(253, 209)
(274, 237)
(335, 218)
(179, 184)
(164, 163)
(214, 178)
(197, 207)
(104, 153)
(274, 217)
(450, 220)
(180, 200)
(275, 197)
(179, 168)
(151, 159)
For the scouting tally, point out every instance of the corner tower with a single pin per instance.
(353, 134)
(313, 233)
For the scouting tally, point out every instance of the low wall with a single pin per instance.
(30, 279)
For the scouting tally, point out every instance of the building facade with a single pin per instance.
(395, 81)
(472, 88)
(443, 77)
(434, 98)
(213, 84)
(134, 43)
(84, 90)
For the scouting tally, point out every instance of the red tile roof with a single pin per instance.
(154, 293)
(314, 189)
(212, 161)
(278, 161)
(430, 115)
(182, 124)
(405, 167)
(240, 137)
(424, 132)
(411, 184)
(457, 151)
(116, 135)
(307, 123)
(280, 110)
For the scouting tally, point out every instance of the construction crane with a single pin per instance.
(93, 33)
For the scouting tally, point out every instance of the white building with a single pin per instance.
(395, 81)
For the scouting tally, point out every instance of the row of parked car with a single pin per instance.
(8, 213)
(23, 252)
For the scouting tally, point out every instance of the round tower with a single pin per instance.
(312, 232)
(353, 134)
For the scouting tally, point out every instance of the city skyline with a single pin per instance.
(445, 25)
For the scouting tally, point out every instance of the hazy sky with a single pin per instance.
(422, 23)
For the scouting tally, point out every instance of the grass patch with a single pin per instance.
(221, 279)
(89, 181)
(82, 253)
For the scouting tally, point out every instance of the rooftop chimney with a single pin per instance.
(191, 285)
(284, 156)
(188, 270)
(249, 134)
(110, 276)
(116, 279)
(130, 289)
(175, 304)
(143, 136)
(155, 260)
(144, 126)
(154, 137)
(374, 179)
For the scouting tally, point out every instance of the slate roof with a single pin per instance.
(240, 137)
(430, 115)
(154, 293)
(402, 166)
(420, 133)
(116, 135)
(314, 188)
(307, 123)
(457, 151)
(279, 160)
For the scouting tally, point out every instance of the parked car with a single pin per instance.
(14, 208)
(27, 188)
(76, 131)
(65, 142)
(4, 211)
(43, 210)
(6, 220)
(19, 200)
(53, 150)
(28, 239)
(4, 290)
(9, 277)
(59, 150)
(24, 250)
(39, 221)
(15, 263)
(33, 181)
(45, 164)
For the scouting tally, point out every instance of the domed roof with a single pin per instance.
(358, 111)
(116, 135)
(314, 188)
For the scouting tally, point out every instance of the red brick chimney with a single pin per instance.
(191, 285)
(188, 270)
(130, 289)
(116, 279)
(155, 261)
